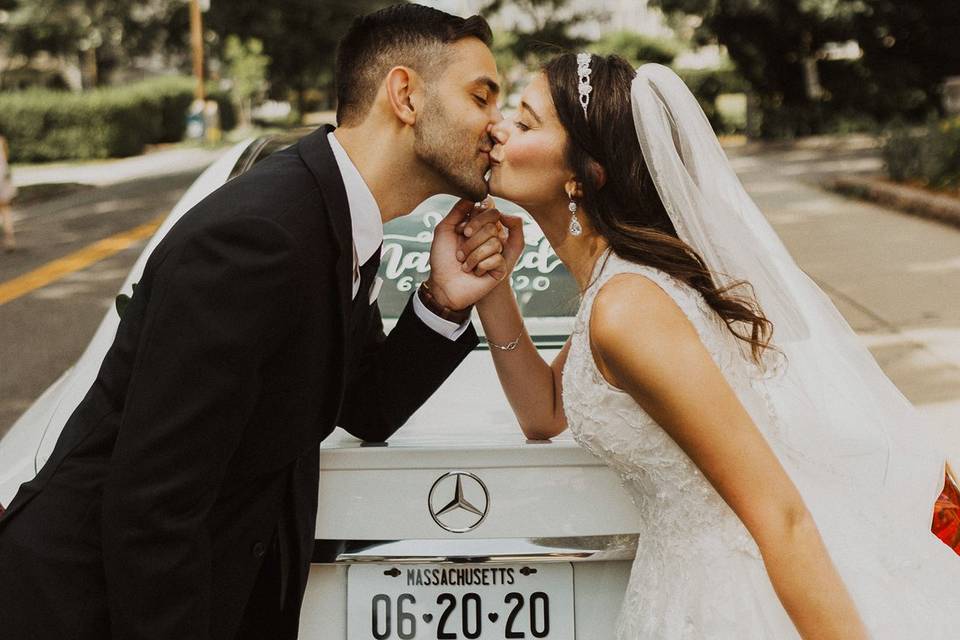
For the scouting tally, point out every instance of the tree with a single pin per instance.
(299, 36)
(638, 48)
(511, 72)
(6, 6)
(910, 45)
(777, 46)
(247, 70)
(94, 36)
(543, 28)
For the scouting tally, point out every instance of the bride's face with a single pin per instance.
(528, 164)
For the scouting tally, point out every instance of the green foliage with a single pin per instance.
(299, 37)
(908, 48)
(503, 53)
(246, 66)
(931, 155)
(710, 83)
(503, 44)
(8, 6)
(44, 125)
(901, 154)
(941, 160)
(228, 112)
(549, 30)
(247, 70)
(107, 34)
(53, 125)
(638, 48)
(732, 112)
(170, 97)
(707, 85)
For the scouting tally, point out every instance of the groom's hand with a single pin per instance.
(452, 282)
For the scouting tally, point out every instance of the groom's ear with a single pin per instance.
(403, 93)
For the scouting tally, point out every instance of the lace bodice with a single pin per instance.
(677, 504)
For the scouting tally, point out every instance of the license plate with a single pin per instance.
(460, 601)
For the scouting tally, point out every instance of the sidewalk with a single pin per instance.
(892, 275)
(836, 142)
(108, 172)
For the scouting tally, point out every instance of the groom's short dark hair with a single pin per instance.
(404, 34)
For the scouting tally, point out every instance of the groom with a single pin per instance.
(180, 500)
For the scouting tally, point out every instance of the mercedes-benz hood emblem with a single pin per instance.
(458, 501)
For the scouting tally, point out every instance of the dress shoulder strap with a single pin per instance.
(688, 299)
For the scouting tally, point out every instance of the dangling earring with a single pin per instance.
(575, 228)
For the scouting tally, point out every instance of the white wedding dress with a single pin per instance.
(698, 574)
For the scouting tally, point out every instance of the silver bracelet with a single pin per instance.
(510, 346)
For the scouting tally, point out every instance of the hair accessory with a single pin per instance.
(575, 228)
(583, 70)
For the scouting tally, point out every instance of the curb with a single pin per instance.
(844, 142)
(112, 171)
(912, 200)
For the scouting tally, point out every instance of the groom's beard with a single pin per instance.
(439, 144)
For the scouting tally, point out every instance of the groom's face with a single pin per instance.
(452, 132)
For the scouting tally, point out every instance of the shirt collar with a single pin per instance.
(364, 211)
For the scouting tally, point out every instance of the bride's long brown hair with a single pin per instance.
(626, 208)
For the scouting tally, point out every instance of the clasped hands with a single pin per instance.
(474, 249)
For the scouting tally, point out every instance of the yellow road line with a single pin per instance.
(57, 269)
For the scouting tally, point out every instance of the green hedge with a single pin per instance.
(854, 100)
(170, 98)
(45, 125)
(707, 85)
(931, 156)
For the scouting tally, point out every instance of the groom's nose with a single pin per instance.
(499, 132)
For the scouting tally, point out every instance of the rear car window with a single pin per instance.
(544, 287)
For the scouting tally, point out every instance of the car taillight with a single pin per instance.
(946, 513)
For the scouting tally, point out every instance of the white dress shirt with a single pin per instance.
(367, 227)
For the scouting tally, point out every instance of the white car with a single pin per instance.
(458, 527)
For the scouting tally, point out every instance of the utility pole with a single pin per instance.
(196, 40)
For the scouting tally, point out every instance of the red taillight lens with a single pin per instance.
(946, 513)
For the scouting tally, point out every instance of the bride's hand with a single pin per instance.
(487, 221)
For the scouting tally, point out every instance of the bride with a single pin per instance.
(784, 486)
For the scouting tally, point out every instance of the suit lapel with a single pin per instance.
(316, 153)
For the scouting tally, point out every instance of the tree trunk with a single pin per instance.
(811, 75)
(88, 68)
(301, 100)
(811, 79)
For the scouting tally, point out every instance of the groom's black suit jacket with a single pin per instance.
(192, 462)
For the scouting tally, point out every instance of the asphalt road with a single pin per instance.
(43, 332)
(893, 276)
